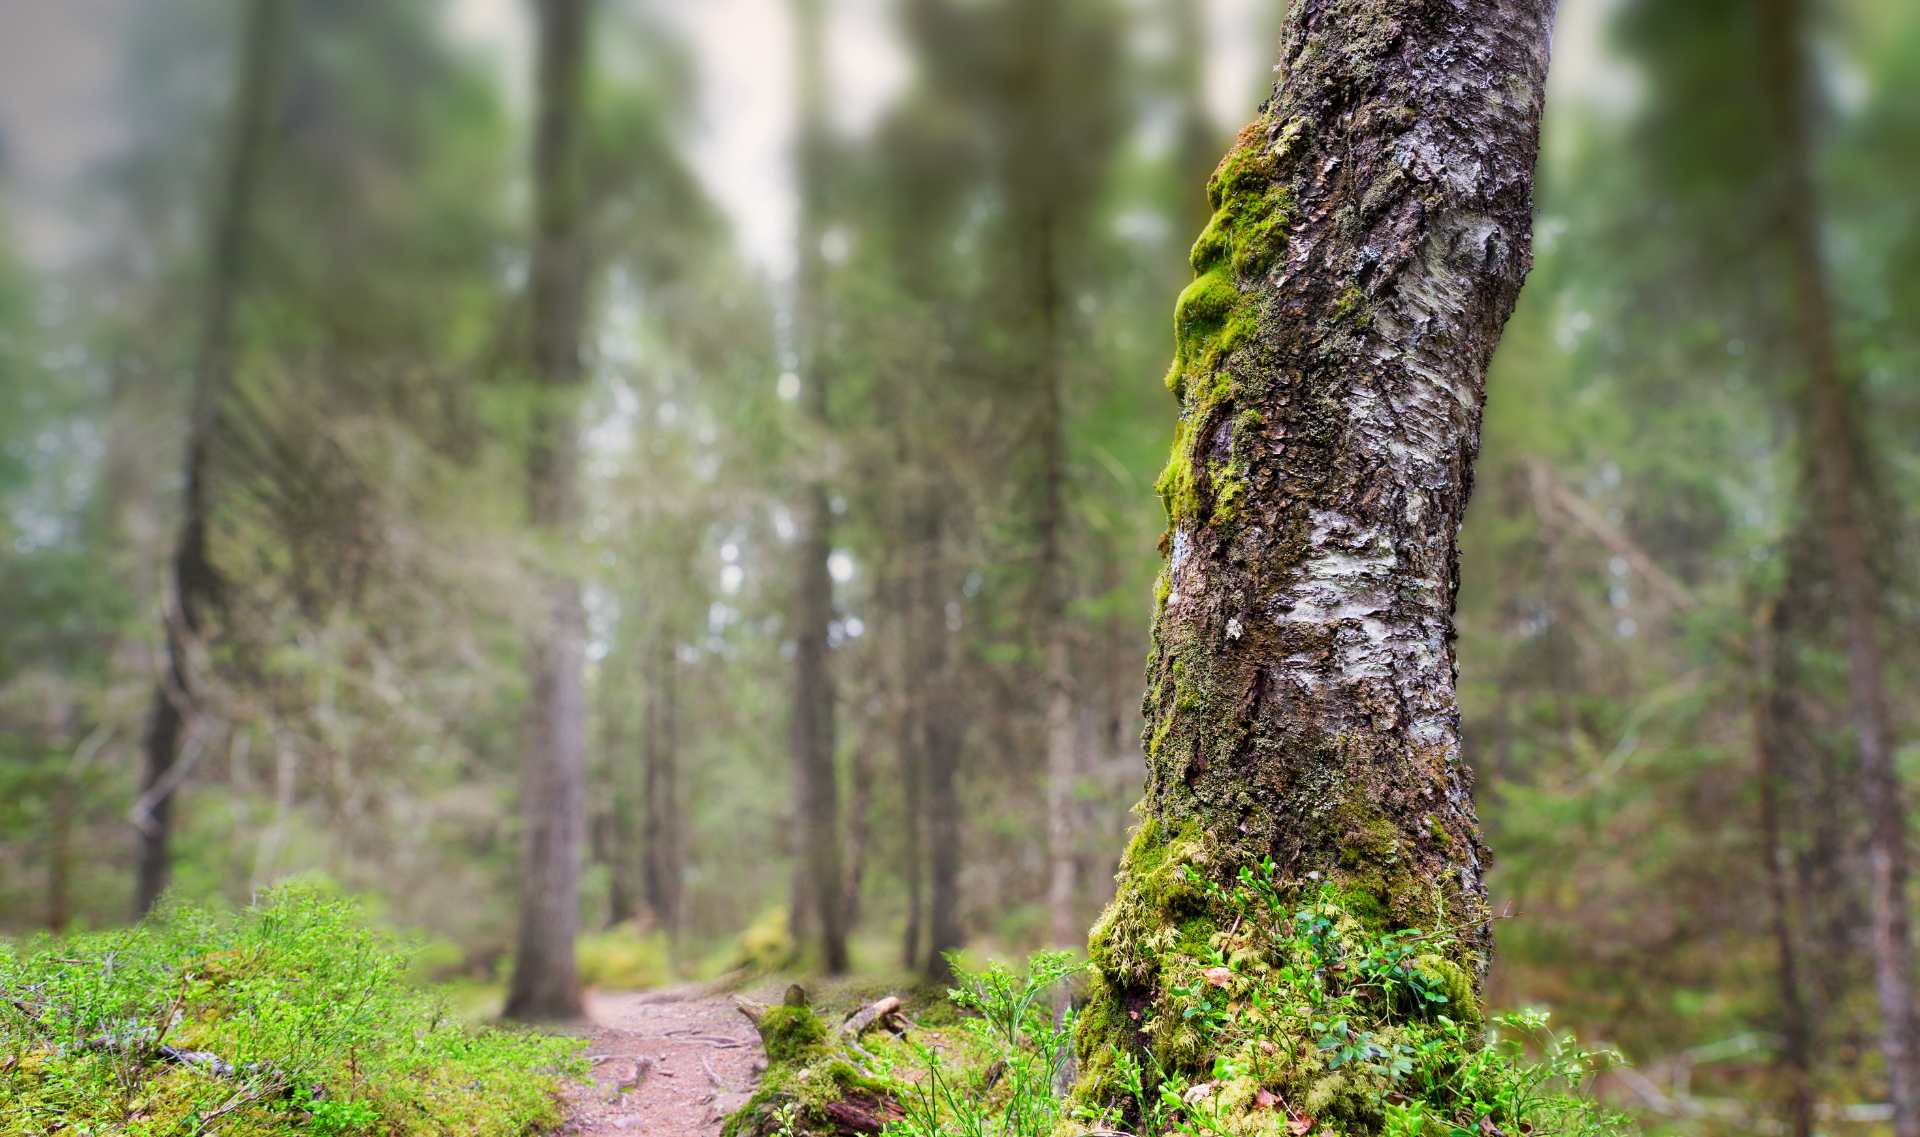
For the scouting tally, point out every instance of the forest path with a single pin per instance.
(668, 1063)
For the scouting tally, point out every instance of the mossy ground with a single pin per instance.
(809, 1073)
(310, 1014)
(1255, 1007)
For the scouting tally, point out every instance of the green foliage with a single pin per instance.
(290, 1016)
(624, 957)
(1017, 1048)
(1301, 1018)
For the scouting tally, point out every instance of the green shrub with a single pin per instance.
(766, 945)
(1008, 1084)
(623, 957)
(290, 1016)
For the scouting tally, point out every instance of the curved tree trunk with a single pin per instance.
(1370, 236)
(545, 981)
(195, 585)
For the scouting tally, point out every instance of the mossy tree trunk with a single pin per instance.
(1371, 232)
(1832, 432)
(545, 983)
(194, 583)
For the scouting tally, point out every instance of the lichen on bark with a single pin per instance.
(1371, 231)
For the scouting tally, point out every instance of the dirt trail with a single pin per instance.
(669, 1063)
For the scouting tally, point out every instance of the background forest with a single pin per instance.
(863, 444)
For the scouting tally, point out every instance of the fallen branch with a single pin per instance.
(864, 1019)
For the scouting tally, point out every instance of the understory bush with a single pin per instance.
(290, 1016)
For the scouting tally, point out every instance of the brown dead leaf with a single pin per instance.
(1264, 1098)
(1489, 1129)
(1219, 976)
(1298, 1124)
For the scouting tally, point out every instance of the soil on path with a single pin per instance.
(669, 1063)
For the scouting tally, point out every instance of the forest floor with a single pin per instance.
(669, 1063)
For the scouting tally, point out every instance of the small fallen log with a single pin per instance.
(863, 1113)
(869, 1016)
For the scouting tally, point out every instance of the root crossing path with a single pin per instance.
(669, 1063)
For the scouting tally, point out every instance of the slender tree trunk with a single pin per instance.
(944, 932)
(545, 983)
(663, 837)
(911, 737)
(617, 846)
(194, 583)
(938, 741)
(859, 832)
(1370, 236)
(1769, 714)
(1063, 758)
(1838, 476)
(818, 887)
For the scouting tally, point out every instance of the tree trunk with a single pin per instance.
(1062, 762)
(1837, 468)
(911, 740)
(612, 832)
(937, 741)
(1371, 232)
(859, 832)
(1795, 1061)
(662, 839)
(944, 933)
(818, 889)
(545, 982)
(195, 584)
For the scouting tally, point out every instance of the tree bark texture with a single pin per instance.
(545, 983)
(818, 888)
(1838, 478)
(1370, 235)
(194, 582)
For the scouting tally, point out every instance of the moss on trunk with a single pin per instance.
(1369, 236)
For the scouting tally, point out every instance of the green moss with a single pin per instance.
(1157, 897)
(790, 1032)
(1456, 983)
(1177, 486)
(806, 1074)
(1229, 486)
(1216, 316)
(1351, 307)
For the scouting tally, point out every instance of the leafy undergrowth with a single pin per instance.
(289, 1017)
(1296, 1021)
